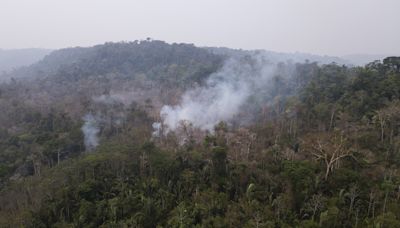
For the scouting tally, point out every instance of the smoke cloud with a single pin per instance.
(223, 96)
(90, 130)
(109, 111)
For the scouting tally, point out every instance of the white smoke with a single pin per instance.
(109, 111)
(157, 129)
(90, 130)
(122, 97)
(222, 96)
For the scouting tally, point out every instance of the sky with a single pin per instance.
(327, 27)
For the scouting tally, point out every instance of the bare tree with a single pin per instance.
(241, 142)
(330, 149)
(316, 203)
(352, 194)
(381, 117)
(388, 119)
(371, 202)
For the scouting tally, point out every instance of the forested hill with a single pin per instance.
(124, 58)
(76, 75)
(150, 134)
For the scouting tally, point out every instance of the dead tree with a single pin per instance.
(331, 149)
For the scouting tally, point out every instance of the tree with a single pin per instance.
(330, 149)
(315, 205)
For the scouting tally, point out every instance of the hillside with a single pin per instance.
(15, 58)
(151, 134)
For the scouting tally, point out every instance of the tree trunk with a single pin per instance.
(332, 116)
(384, 202)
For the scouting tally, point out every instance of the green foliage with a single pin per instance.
(223, 178)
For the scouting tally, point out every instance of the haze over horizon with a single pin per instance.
(321, 27)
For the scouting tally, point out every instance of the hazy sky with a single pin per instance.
(334, 27)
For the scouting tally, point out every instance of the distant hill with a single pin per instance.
(362, 59)
(125, 58)
(15, 58)
(295, 57)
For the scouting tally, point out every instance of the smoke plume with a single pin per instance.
(223, 96)
(90, 130)
(109, 112)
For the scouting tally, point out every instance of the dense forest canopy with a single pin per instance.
(150, 134)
